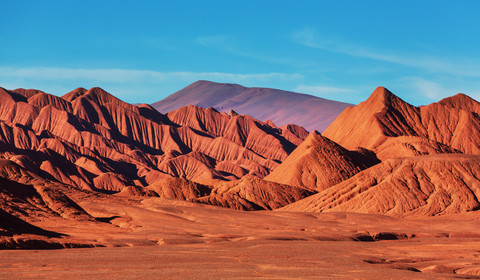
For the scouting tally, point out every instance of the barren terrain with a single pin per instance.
(389, 191)
(166, 239)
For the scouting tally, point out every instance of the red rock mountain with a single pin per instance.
(416, 186)
(91, 140)
(319, 163)
(449, 126)
(430, 159)
(281, 107)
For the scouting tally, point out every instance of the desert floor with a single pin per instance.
(153, 238)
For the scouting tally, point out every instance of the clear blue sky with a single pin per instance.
(142, 51)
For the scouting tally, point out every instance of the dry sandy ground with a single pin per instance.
(153, 238)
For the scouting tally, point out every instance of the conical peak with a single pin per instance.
(382, 97)
(382, 94)
(272, 124)
(232, 113)
(211, 109)
(314, 133)
(100, 96)
(314, 137)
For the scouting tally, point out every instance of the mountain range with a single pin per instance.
(382, 156)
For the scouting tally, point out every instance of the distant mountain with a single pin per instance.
(281, 107)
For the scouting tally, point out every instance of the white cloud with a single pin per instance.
(124, 75)
(309, 37)
(130, 85)
(432, 90)
(427, 88)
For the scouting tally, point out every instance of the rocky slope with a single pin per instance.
(416, 186)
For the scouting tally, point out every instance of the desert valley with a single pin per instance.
(382, 189)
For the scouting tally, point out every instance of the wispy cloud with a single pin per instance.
(434, 90)
(126, 75)
(309, 37)
(230, 44)
(131, 85)
(430, 89)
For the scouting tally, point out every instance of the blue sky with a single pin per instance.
(143, 51)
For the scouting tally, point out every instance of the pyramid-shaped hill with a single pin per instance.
(319, 163)
(281, 107)
(452, 122)
(416, 186)
(90, 139)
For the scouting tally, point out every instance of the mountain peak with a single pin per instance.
(316, 164)
(367, 124)
(232, 113)
(206, 82)
(314, 132)
(458, 101)
(382, 95)
(100, 96)
(27, 93)
(97, 91)
(74, 94)
(214, 86)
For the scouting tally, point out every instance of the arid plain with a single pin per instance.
(166, 239)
